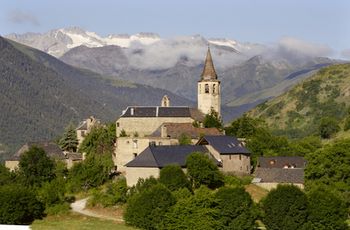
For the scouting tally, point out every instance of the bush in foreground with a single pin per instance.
(19, 205)
(285, 208)
(146, 209)
(173, 178)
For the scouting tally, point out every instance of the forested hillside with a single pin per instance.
(319, 105)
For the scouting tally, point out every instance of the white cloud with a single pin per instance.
(21, 17)
(346, 53)
(303, 47)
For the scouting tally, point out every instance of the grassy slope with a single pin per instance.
(299, 110)
(75, 221)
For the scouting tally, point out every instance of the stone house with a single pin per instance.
(85, 127)
(226, 151)
(52, 150)
(153, 158)
(271, 171)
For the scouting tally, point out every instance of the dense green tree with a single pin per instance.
(146, 209)
(196, 212)
(330, 167)
(91, 173)
(112, 193)
(328, 127)
(173, 178)
(245, 127)
(184, 139)
(52, 193)
(69, 141)
(235, 208)
(347, 123)
(143, 184)
(36, 167)
(285, 208)
(212, 120)
(6, 176)
(100, 140)
(203, 171)
(326, 210)
(19, 205)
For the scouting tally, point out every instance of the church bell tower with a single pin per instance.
(209, 92)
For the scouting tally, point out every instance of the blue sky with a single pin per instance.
(262, 21)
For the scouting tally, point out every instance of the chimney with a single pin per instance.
(163, 131)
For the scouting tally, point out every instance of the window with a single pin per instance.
(240, 157)
(206, 88)
(214, 89)
(134, 144)
(135, 155)
(229, 156)
(117, 124)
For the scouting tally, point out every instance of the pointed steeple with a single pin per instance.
(209, 70)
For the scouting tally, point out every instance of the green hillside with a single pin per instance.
(323, 98)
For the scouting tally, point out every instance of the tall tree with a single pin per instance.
(173, 178)
(212, 120)
(285, 208)
(203, 171)
(69, 141)
(36, 167)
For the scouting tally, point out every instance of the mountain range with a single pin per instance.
(250, 73)
(40, 95)
(69, 74)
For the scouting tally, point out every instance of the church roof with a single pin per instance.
(156, 111)
(160, 156)
(209, 72)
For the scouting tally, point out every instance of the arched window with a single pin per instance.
(206, 88)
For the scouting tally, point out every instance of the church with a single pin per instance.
(148, 136)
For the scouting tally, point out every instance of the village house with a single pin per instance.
(51, 149)
(85, 127)
(271, 171)
(227, 152)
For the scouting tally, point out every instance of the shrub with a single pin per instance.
(202, 171)
(236, 209)
(173, 178)
(112, 194)
(184, 139)
(142, 184)
(19, 205)
(146, 209)
(52, 193)
(56, 209)
(285, 208)
(328, 127)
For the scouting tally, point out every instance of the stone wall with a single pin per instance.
(145, 126)
(134, 173)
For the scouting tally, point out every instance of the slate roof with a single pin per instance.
(280, 175)
(281, 162)
(209, 72)
(156, 111)
(224, 144)
(82, 126)
(160, 156)
(51, 149)
(174, 130)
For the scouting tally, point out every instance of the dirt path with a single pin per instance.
(79, 207)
